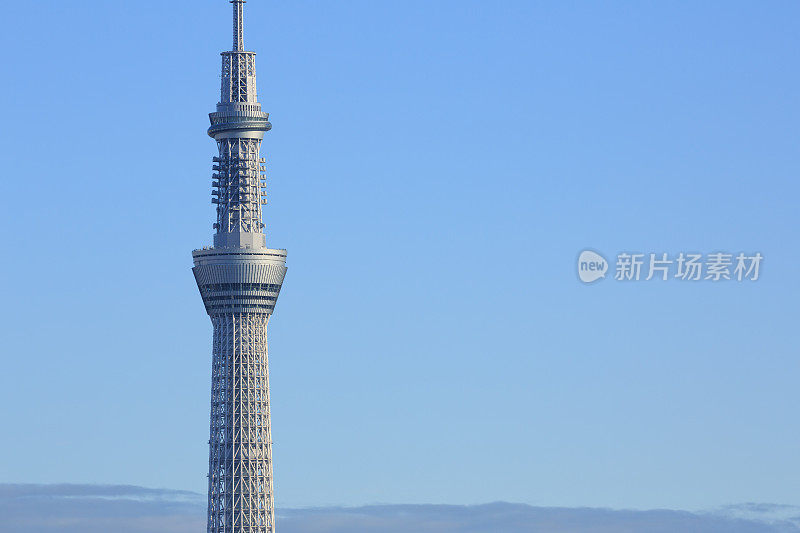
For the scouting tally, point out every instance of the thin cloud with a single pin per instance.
(513, 518)
(129, 509)
(762, 512)
(98, 509)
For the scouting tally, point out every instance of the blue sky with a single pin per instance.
(434, 170)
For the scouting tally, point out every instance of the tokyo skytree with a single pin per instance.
(239, 279)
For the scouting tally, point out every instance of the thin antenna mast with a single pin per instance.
(238, 25)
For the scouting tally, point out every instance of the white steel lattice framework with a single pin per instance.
(239, 279)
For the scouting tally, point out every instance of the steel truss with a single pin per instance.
(239, 185)
(240, 461)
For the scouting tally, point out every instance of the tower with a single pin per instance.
(239, 280)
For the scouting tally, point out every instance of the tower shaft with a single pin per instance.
(240, 466)
(239, 279)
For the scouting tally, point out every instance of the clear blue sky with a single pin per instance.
(435, 168)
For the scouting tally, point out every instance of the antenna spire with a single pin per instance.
(238, 24)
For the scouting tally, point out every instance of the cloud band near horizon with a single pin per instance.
(66, 508)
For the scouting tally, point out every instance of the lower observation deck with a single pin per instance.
(240, 280)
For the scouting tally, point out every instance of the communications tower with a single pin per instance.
(239, 279)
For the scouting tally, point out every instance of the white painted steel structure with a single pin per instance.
(239, 279)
